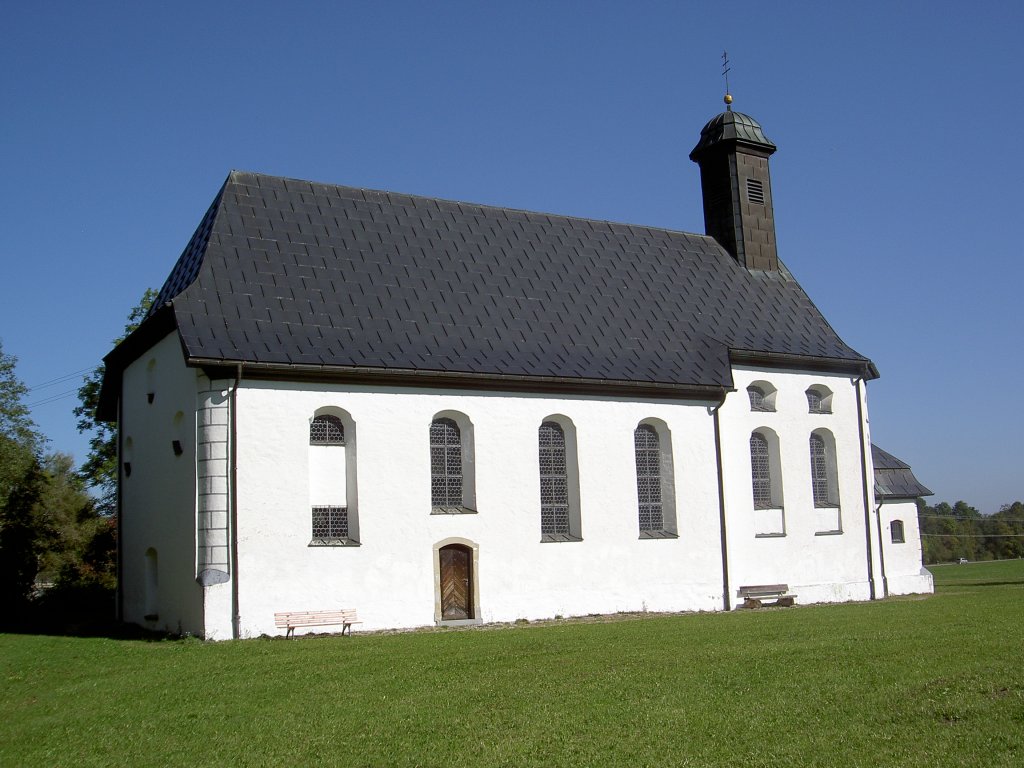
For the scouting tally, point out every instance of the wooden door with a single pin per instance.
(456, 582)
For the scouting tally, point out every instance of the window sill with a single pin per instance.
(658, 535)
(452, 511)
(331, 542)
(769, 535)
(550, 538)
(828, 533)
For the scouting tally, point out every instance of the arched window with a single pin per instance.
(647, 448)
(655, 489)
(760, 471)
(825, 482)
(896, 531)
(819, 473)
(554, 481)
(762, 396)
(819, 399)
(445, 464)
(756, 395)
(326, 430)
(766, 483)
(559, 480)
(332, 480)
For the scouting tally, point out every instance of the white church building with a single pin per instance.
(438, 412)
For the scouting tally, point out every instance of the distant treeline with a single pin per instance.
(951, 532)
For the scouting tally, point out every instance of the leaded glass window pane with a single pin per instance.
(445, 464)
(554, 483)
(326, 430)
(756, 395)
(330, 522)
(760, 470)
(819, 472)
(813, 401)
(647, 447)
(897, 532)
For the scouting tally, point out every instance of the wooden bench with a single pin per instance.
(291, 619)
(754, 594)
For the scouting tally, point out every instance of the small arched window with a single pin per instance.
(445, 464)
(326, 430)
(762, 396)
(896, 531)
(760, 470)
(756, 395)
(819, 400)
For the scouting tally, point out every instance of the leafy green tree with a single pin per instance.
(67, 515)
(100, 467)
(21, 544)
(19, 441)
(20, 486)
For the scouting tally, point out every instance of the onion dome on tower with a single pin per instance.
(733, 157)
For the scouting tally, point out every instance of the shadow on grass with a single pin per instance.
(969, 583)
(74, 611)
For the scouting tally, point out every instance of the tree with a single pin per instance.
(99, 470)
(19, 440)
(20, 487)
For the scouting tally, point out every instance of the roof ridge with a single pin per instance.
(488, 206)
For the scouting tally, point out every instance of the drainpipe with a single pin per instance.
(726, 602)
(864, 476)
(881, 550)
(236, 619)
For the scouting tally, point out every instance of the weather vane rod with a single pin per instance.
(725, 74)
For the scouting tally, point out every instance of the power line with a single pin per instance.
(63, 378)
(52, 398)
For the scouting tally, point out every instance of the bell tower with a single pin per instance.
(733, 157)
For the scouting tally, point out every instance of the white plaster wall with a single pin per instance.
(903, 566)
(818, 568)
(390, 577)
(158, 499)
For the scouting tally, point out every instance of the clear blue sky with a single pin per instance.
(897, 182)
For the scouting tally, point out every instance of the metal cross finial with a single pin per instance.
(725, 74)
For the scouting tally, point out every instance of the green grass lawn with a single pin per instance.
(906, 682)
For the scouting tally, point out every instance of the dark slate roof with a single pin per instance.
(893, 478)
(732, 126)
(283, 272)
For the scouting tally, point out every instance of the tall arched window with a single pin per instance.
(445, 464)
(655, 480)
(554, 481)
(760, 470)
(647, 448)
(559, 480)
(825, 482)
(332, 480)
(819, 473)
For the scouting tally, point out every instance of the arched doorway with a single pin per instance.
(455, 563)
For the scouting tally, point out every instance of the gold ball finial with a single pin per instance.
(728, 98)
